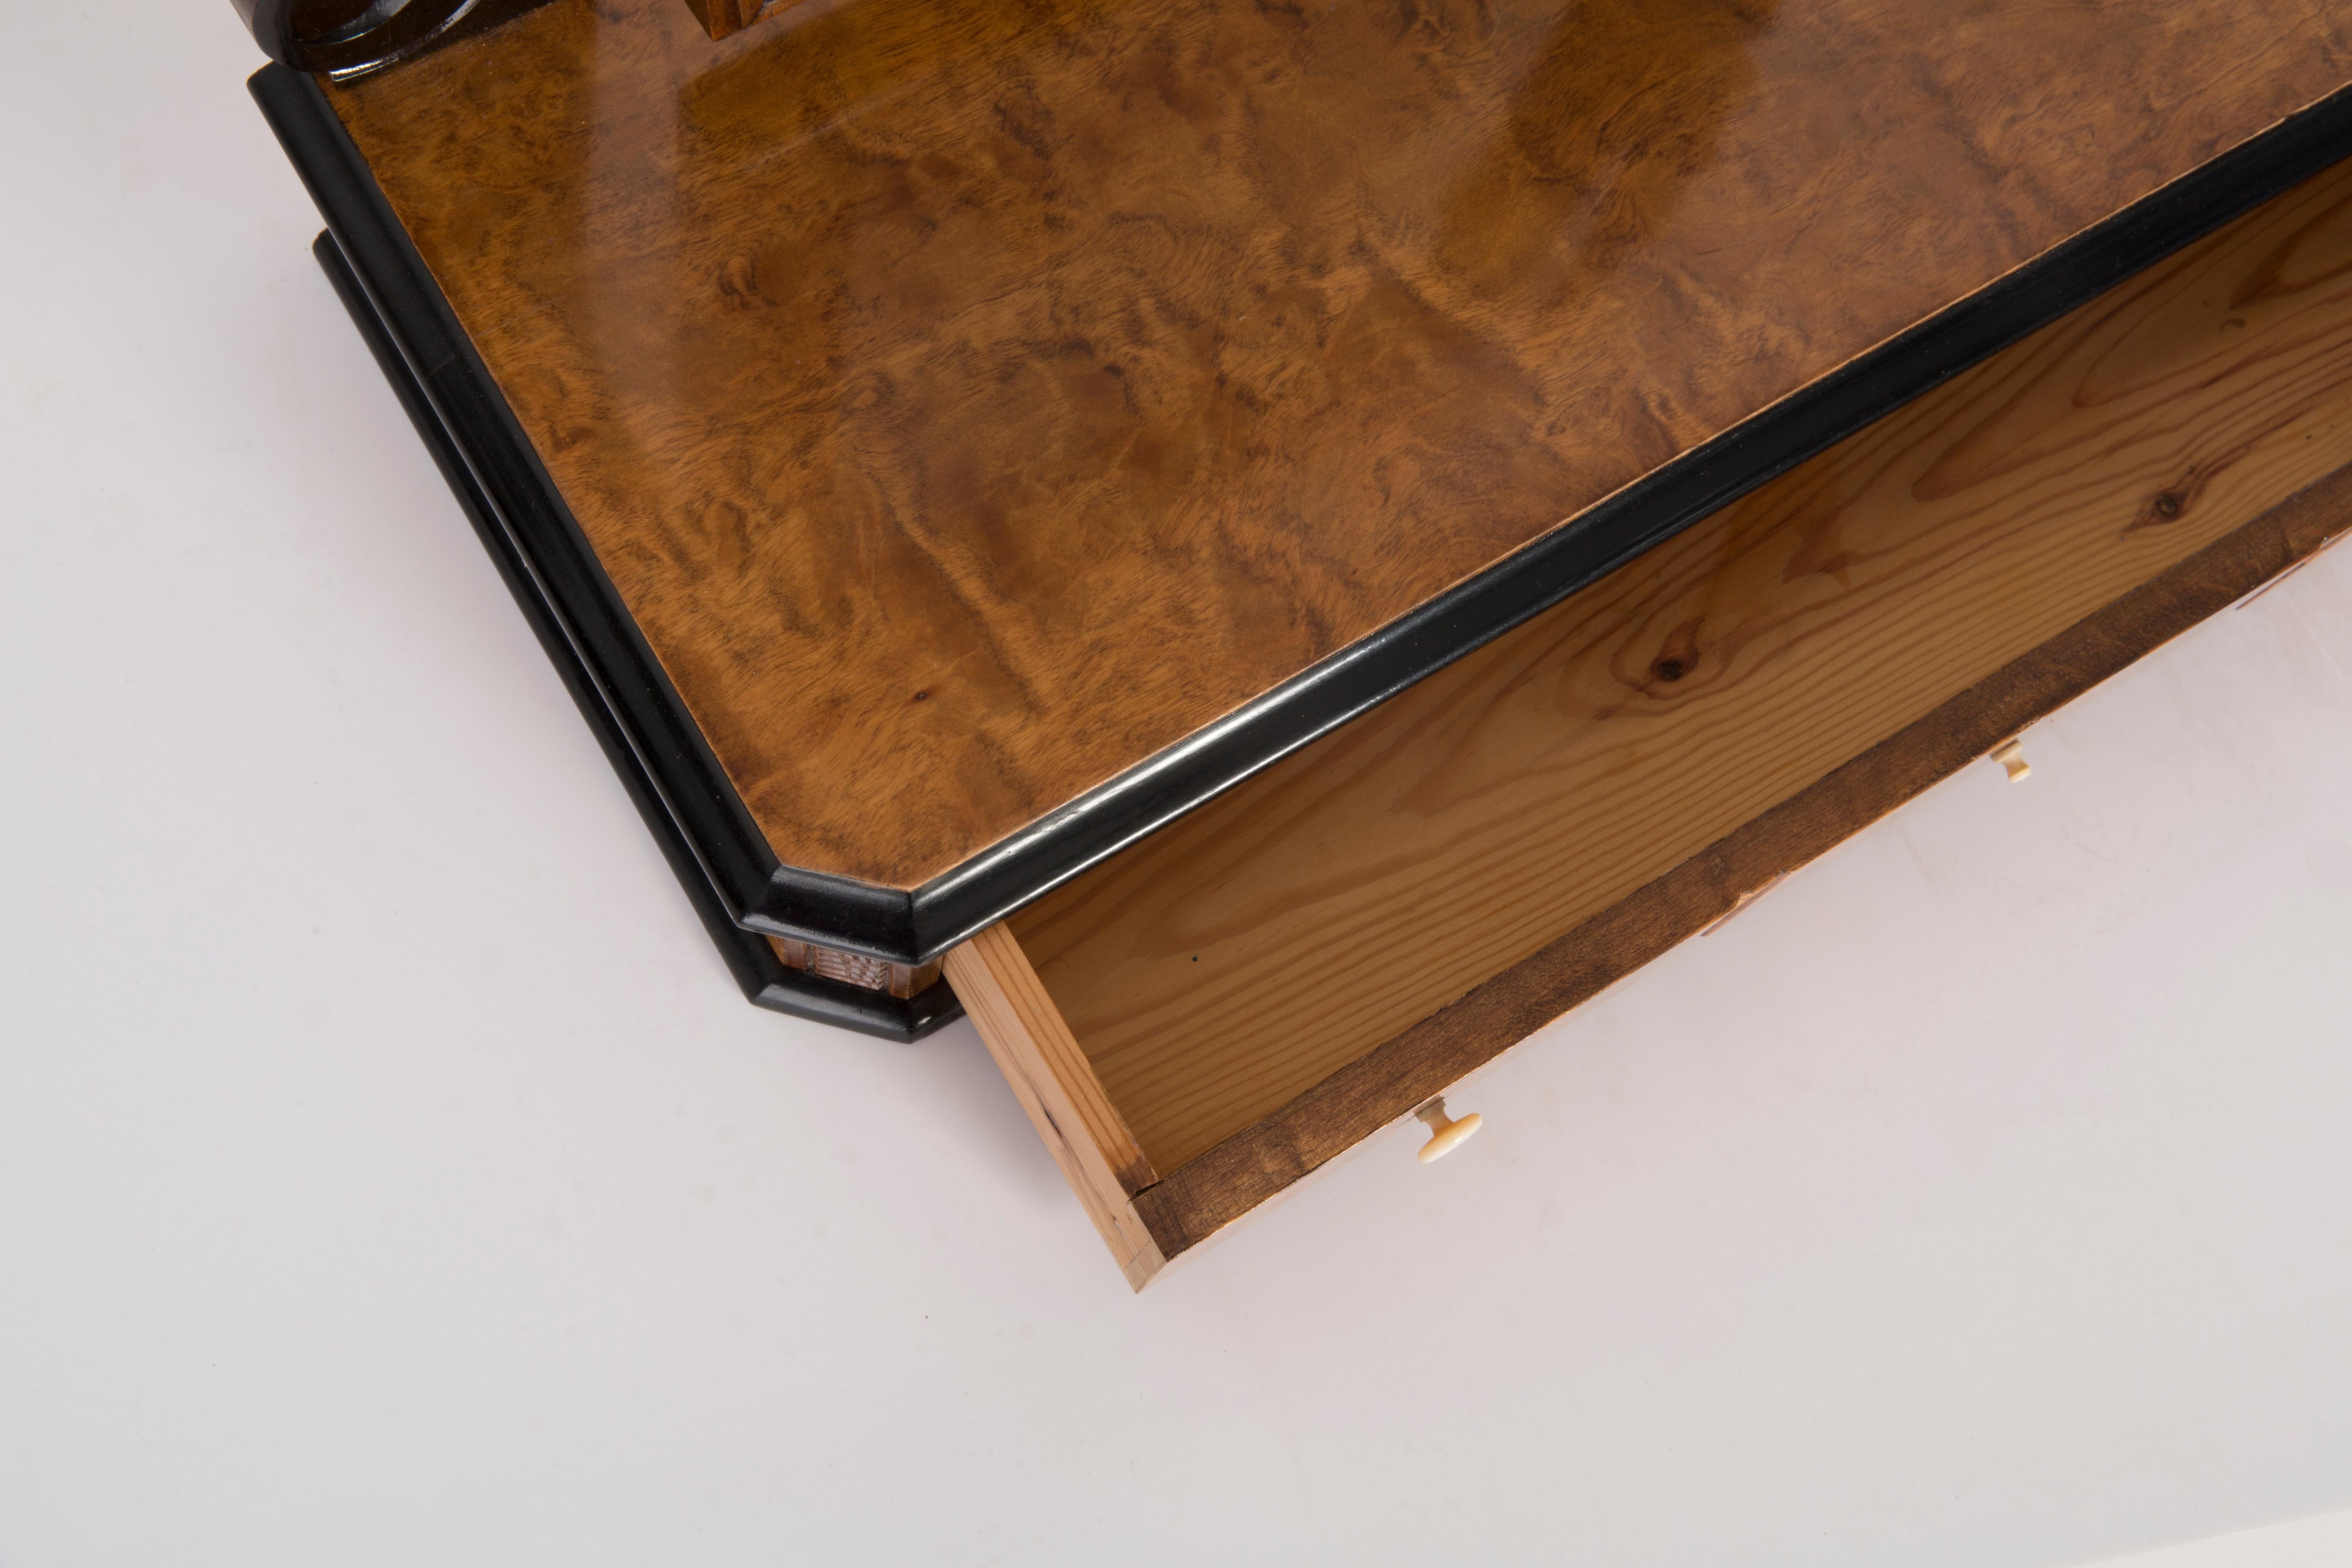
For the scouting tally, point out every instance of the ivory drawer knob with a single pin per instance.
(2010, 754)
(1445, 1134)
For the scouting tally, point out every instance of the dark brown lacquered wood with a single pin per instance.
(1222, 967)
(724, 18)
(971, 398)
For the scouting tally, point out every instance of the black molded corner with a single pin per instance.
(765, 979)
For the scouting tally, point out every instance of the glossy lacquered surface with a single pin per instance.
(1223, 967)
(969, 401)
(907, 1006)
(346, 37)
(1982, 1199)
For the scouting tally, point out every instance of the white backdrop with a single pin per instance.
(389, 1172)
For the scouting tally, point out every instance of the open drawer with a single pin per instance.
(1207, 1017)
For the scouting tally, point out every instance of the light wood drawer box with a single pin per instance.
(1212, 1014)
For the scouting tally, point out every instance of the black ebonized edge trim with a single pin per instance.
(765, 979)
(1622, 526)
(759, 894)
(474, 418)
(586, 610)
(375, 39)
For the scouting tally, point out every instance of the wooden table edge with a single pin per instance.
(756, 893)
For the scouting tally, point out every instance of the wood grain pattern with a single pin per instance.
(724, 18)
(1267, 1160)
(855, 968)
(970, 398)
(1219, 969)
(1049, 1075)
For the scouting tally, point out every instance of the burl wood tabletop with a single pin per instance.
(970, 398)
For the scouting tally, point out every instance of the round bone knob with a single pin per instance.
(1445, 1134)
(2010, 754)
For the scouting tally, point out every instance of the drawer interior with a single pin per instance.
(1207, 979)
